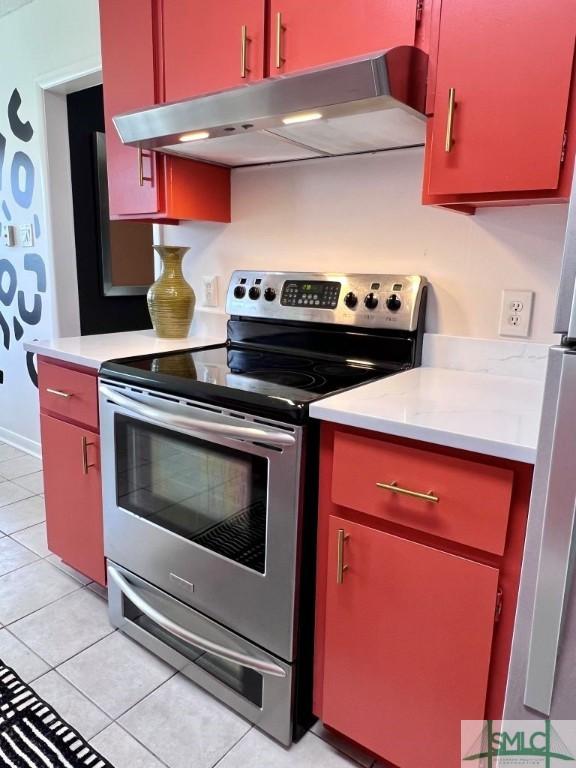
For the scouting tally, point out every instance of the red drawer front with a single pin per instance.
(68, 393)
(473, 498)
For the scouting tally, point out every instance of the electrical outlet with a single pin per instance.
(516, 313)
(26, 236)
(210, 291)
(8, 235)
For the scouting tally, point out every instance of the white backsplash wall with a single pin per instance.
(363, 214)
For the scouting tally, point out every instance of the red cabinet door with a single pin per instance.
(307, 34)
(72, 484)
(407, 646)
(130, 82)
(203, 45)
(510, 66)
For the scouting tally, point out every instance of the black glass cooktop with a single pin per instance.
(258, 379)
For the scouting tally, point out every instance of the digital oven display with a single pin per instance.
(299, 293)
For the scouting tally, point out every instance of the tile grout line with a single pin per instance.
(252, 726)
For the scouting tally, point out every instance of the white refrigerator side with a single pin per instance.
(542, 675)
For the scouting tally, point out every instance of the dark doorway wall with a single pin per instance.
(98, 313)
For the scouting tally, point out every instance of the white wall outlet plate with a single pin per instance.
(7, 235)
(26, 236)
(516, 313)
(210, 290)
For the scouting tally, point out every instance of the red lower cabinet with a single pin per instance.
(73, 493)
(408, 644)
(419, 559)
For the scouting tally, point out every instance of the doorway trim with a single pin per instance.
(52, 89)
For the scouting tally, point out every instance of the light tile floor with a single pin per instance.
(136, 710)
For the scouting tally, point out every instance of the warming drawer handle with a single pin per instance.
(265, 667)
(185, 422)
(394, 488)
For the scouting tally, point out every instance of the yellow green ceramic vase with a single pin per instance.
(171, 300)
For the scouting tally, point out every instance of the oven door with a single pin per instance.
(254, 683)
(204, 503)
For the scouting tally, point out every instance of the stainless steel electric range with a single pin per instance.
(210, 480)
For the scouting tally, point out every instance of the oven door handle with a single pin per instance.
(250, 662)
(165, 418)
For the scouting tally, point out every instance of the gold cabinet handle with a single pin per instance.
(340, 567)
(244, 52)
(85, 465)
(141, 177)
(58, 392)
(279, 30)
(450, 122)
(395, 488)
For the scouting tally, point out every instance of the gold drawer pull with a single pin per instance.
(450, 122)
(141, 177)
(58, 392)
(340, 567)
(395, 488)
(279, 51)
(243, 52)
(85, 465)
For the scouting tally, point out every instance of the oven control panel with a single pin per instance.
(300, 293)
(371, 301)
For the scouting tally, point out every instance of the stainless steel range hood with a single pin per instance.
(365, 105)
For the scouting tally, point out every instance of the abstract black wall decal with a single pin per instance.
(32, 372)
(5, 332)
(2, 153)
(18, 330)
(22, 179)
(22, 280)
(33, 263)
(21, 130)
(7, 286)
(30, 316)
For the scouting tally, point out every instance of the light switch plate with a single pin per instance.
(516, 313)
(210, 290)
(8, 235)
(26, 236)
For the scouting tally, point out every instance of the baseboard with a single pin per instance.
(21, 442)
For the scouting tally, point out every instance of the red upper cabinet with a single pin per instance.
(407, 646)
(501, 96)
(210, 47)
(129, 74)
(147, 185)
(306, 34)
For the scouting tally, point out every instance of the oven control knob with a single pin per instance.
(350, 300)
(239, 292)
(269, 294)
(393, 303)
(371, 301)
(254, 292)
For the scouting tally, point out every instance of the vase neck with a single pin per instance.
(172, 261)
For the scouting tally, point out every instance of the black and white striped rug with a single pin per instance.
(32, 735)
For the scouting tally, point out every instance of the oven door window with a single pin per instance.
(210, 494)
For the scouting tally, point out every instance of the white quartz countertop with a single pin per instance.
(92, 351)
(485, 413)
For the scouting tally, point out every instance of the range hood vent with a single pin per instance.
(365, 105)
